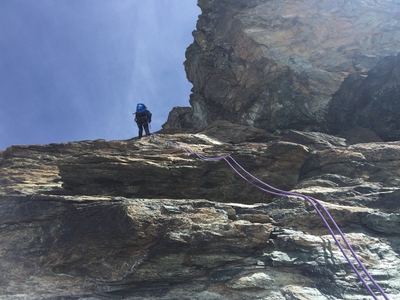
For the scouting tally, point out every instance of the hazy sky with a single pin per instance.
(75, 69)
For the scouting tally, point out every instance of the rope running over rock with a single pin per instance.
(315, 204)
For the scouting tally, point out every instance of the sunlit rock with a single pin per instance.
(144, 219)
(276, 64)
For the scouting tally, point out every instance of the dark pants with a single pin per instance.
(146, 129)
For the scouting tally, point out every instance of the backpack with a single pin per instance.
(143, 116)
(140, 108)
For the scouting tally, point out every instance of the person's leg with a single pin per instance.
(140, 129)
(146, 128)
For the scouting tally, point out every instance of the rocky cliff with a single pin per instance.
(143, 219)
(150, 219)
(276, 64)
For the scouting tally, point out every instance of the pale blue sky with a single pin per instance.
(74, 70)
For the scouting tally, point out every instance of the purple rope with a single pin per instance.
(322, 218)
(314, 202)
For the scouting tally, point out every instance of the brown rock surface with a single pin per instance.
(276, 64)
(149, 169)
(141, 219)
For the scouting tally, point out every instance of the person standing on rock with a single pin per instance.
(142, 119)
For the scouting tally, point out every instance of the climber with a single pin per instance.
(142, 119)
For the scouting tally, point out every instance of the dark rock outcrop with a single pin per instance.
(276, 64)
(371, 102)
(143, 219)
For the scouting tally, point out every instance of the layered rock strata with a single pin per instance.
(142, 219)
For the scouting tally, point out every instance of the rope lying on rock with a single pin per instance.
(315, 204)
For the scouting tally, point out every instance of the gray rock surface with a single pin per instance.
(276, 64)
(370, 102)
(140, 219)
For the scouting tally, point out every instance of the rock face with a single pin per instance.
(149, 219)
(371, 102)
(276, 64)
(143, 219)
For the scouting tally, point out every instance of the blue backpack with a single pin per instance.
(140, 108)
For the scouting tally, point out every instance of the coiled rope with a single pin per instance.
(315, 204)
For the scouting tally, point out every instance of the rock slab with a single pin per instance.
(100, 219)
